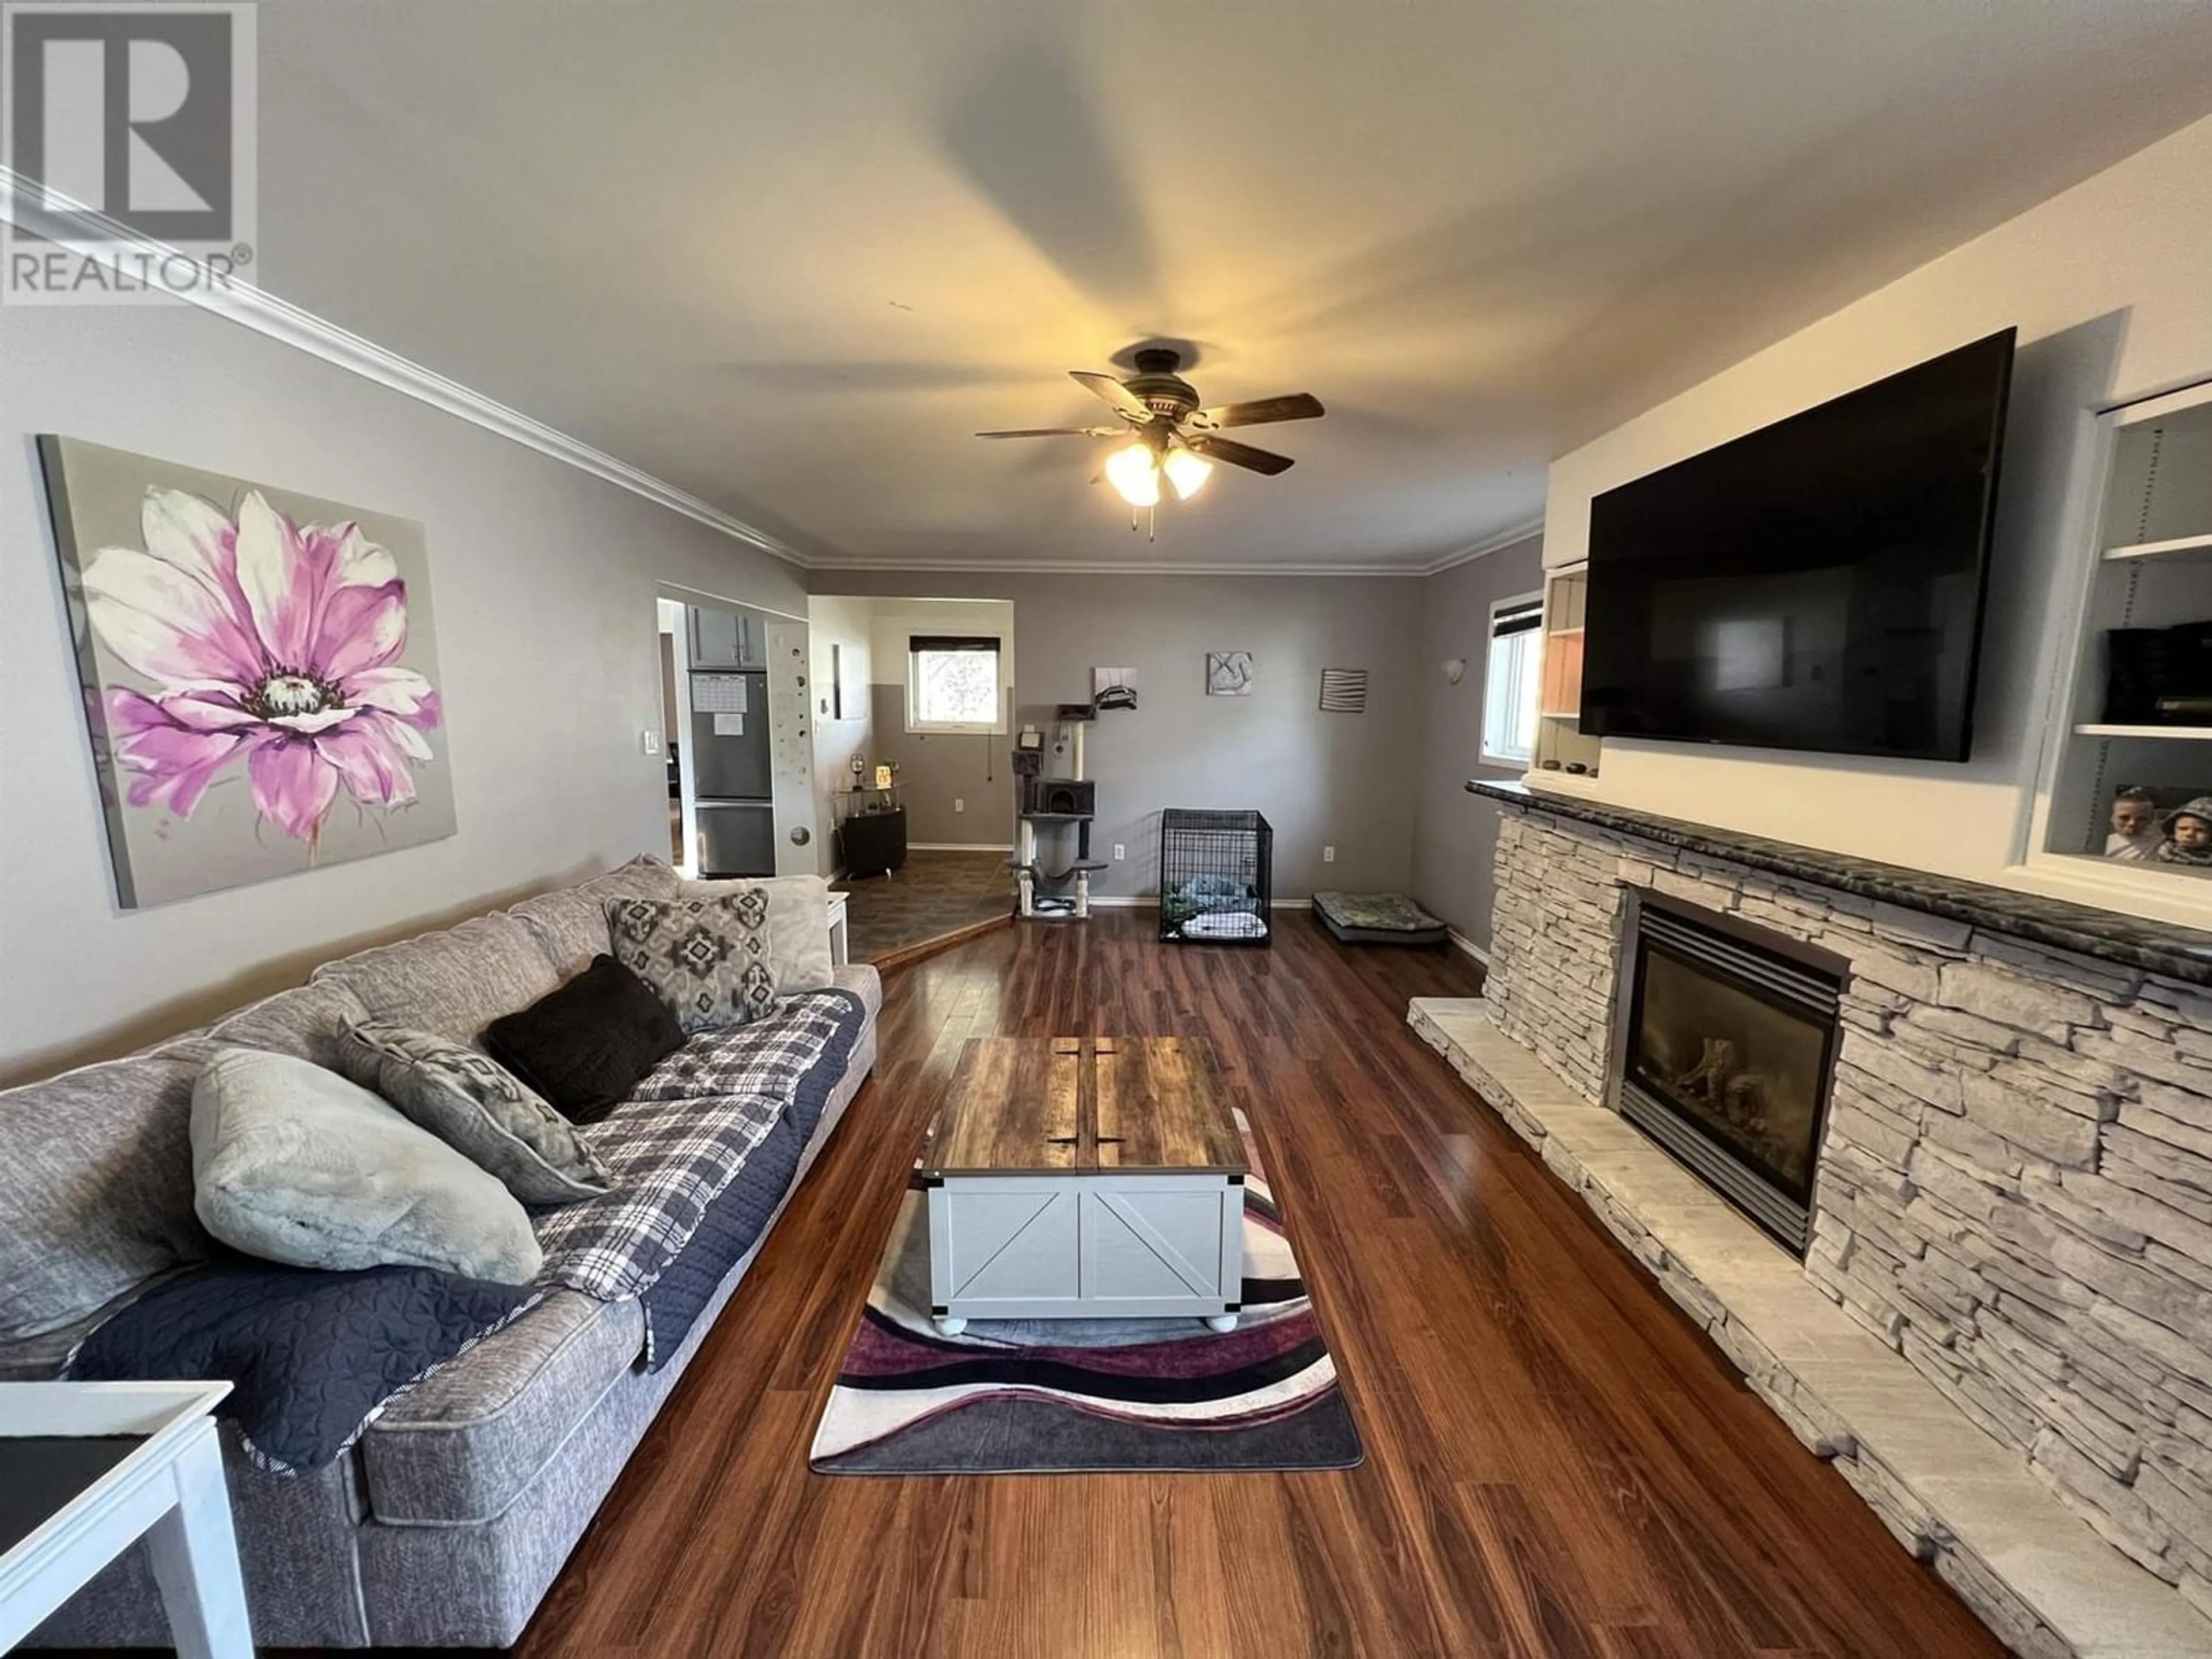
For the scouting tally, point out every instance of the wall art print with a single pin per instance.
(1113, 688)
(1344, 691)
(1229, 673)
(260, 671)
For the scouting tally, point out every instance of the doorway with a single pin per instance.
(739, 739)
(913, 751)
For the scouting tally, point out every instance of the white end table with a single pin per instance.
(166, 1488)
(840, 948)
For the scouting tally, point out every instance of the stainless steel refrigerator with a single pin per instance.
(731, 780)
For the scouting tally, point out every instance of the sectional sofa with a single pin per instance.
(446, 1522)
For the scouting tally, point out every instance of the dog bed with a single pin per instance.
(1226, 924)
(1378, 919)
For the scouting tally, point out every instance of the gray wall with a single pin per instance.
(544, 580)
(1319, 778)
(1455, 833)
(838, 736)
(938, 769)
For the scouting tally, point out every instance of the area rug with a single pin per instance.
(1016, 1396)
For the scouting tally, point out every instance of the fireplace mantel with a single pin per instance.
(2181, 953)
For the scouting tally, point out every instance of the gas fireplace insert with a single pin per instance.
(1724, 1045)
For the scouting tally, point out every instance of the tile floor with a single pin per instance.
(935, 894)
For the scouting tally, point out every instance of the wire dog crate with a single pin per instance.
(1217, 876)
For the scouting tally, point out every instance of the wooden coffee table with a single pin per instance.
(1085, 1177)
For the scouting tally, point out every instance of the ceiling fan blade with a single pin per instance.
(1236, 454)
(1055, 432)
(1297, 406)
(1105, 386)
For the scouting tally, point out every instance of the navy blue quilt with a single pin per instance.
(312, 1357)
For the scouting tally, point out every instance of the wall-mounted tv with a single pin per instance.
(1817, 584)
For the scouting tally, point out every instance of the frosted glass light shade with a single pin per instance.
(1134, 475)
(1187, 472)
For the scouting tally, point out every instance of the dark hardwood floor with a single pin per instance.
(1558, 1462)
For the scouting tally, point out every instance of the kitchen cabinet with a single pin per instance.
(727, 639)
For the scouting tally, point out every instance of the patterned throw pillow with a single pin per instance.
(478, 1107)
(708, 959)
(798, 925)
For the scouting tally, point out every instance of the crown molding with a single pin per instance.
(1495, 542)
(879, 567)
(22, 204)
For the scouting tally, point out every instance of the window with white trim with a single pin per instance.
(953, 684)
(1512, 684)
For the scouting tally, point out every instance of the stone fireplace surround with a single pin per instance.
(2008, 1299)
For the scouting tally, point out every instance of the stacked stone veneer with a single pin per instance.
(2015, 1184)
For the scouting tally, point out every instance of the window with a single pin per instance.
(1512, 680)
(952, 683)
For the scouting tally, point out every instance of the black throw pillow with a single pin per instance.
(585, 1046)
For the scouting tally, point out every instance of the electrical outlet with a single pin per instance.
(959, 804)
(648, 740)
(1328, 855)
(1120, 851)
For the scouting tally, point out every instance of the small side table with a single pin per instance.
(841, 950)
(88, 1468)
(874, 843)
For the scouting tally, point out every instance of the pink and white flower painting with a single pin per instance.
(265, 699)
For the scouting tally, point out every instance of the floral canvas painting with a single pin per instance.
(260, 671)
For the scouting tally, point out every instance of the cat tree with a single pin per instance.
(1048, 806)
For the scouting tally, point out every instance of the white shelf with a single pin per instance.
(1562, 781)
(2182, 733)
(2161, 549)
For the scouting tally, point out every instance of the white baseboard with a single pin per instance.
(1462, 942)
(958, 847)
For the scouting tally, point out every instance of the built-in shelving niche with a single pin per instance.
(2150, 566)
(1562, 753)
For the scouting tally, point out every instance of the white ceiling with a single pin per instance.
(787, 257)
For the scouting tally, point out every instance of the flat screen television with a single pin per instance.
(1815, 584)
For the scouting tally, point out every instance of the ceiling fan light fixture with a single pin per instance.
(1187, 472)
(1134, 472)
(1166, 435)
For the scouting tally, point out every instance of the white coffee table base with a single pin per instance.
(1096, 1244)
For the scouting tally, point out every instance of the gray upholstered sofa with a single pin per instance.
(446, 1522)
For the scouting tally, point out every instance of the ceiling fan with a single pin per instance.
(1169, 435)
